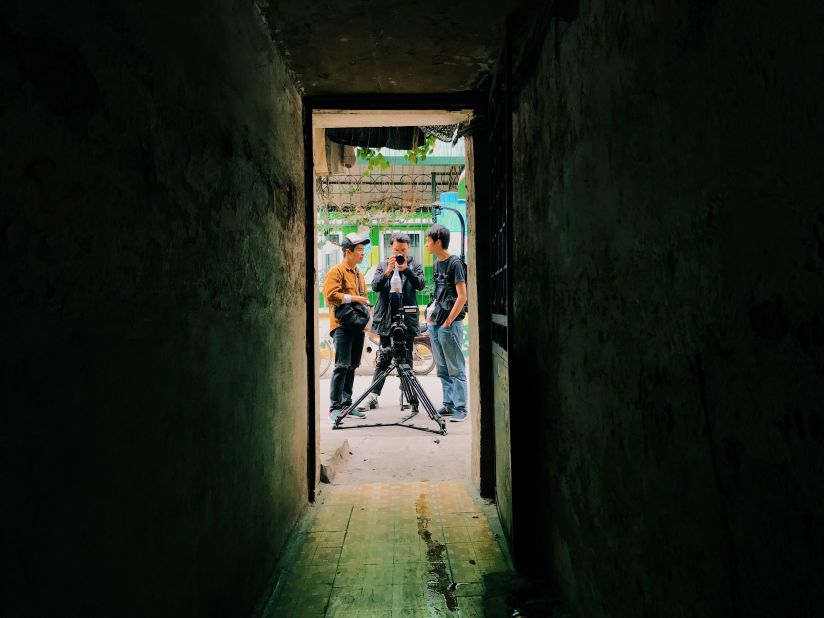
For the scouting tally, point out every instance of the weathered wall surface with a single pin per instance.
(482, 463)
(153, 316)
(669, 253)
(474, 377)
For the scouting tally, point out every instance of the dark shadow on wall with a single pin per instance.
(668, 201)
(153, 325)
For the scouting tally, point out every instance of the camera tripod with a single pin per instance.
(410, 388)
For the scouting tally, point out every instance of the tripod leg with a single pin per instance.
(411, 382)
(381, 376)
(406, 386)
(407, 391)
(402, 398)
(430, 408)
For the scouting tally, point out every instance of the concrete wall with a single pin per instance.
(482, 464)
(669, 256)
(154, 394)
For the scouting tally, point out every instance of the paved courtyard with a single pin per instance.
(384, 454)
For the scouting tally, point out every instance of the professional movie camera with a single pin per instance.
(410, 387)
(397, 329)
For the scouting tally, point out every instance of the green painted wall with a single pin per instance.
(153, 318)
(373, 253)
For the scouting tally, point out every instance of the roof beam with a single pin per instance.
(354, 118)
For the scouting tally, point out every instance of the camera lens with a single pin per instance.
(400, 259)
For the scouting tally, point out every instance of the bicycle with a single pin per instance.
(326, 355)
(326, 349)
(423, 361)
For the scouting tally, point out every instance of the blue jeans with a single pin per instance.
(446, 346)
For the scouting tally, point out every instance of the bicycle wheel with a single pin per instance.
(327, 353)
(423, 361)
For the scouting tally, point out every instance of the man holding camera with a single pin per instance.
(345, 284)
(412, 277)
(445, 321)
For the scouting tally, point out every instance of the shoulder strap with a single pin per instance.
(443, 287)
(450, 260)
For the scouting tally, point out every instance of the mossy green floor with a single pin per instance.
(394, 549)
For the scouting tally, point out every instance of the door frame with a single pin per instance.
(477, 102)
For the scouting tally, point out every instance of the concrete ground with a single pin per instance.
(385, 454)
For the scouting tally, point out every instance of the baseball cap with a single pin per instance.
(354, 238)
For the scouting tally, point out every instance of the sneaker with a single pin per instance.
(458, 416)
(358, 413)
(444, 411)
(371, 404)
(334, 415)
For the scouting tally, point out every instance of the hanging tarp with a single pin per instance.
(396, 138)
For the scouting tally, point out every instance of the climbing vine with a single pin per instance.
(385, 210)
(374, 157)
(422, 151)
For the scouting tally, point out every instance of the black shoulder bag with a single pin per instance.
(353, 316)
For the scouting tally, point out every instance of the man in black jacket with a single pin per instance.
(411, 274)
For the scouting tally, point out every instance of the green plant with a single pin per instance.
(374, 158)
(353, 190)
(422, 151)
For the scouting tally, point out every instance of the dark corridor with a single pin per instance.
(650, 248)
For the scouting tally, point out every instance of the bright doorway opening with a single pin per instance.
(379, 173)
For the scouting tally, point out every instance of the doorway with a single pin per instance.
(416, 194)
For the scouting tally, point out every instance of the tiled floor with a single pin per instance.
(394, 549)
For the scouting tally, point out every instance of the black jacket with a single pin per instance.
(413, 280)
